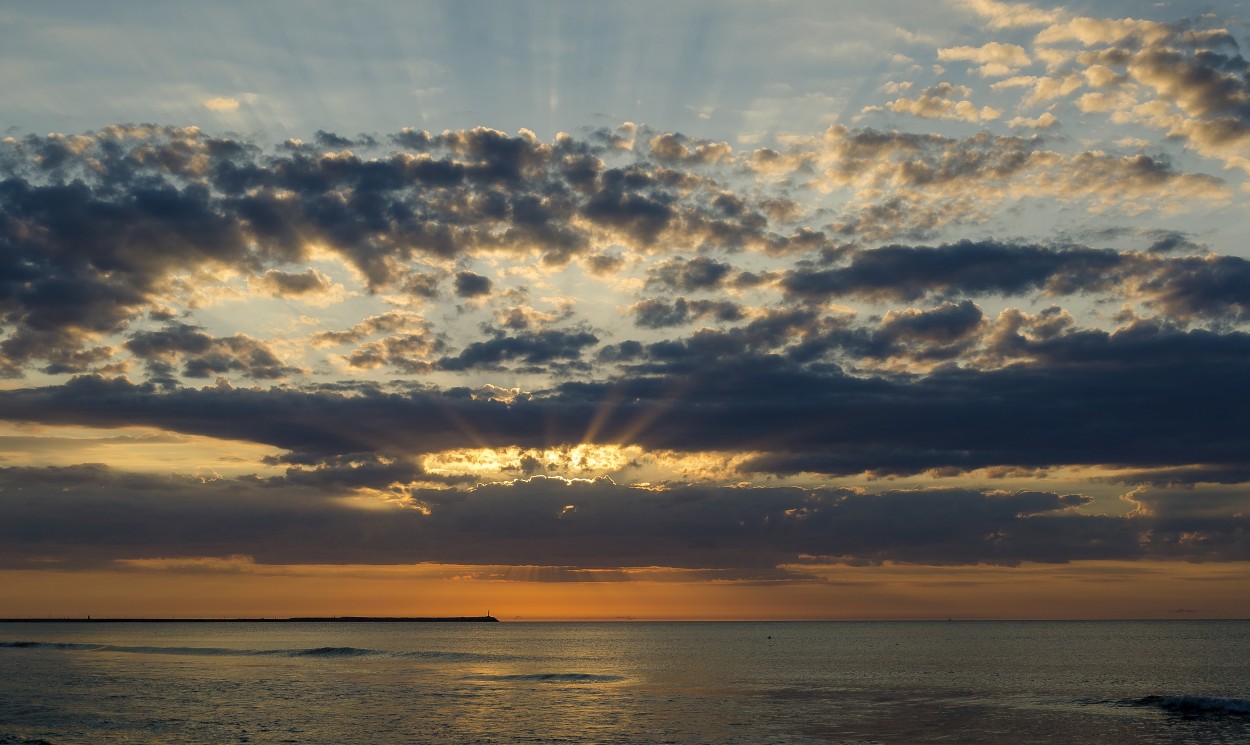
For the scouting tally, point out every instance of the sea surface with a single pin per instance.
(771, 683)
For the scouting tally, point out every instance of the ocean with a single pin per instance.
(645, 683)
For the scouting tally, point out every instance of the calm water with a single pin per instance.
(953, 682)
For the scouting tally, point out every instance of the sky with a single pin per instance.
(561, 310)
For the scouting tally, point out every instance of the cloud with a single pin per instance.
(221, 105)
(1045, 88)
(935, 334)
(408, 353)
(671, 147)
(996, 59)
(533, 349)
(80, 264)
(91, 515)
(166, 207)
(912, 185)
(940, 102)
(951, 342)
(1149, 403)
(1012, 14)
(1045, 120)
(1184, 78)
(387, 322)
(654, 313)
(470, 285)
(908, 273)
(294, 284)
(204, 356)
(604, 264)
(310, 286)
(163, 203)
(692, 275)
(719, 390)
(1184, 287)
(101, 231)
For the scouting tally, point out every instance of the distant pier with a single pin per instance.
(297, 619)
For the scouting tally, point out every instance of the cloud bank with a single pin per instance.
(943, 330)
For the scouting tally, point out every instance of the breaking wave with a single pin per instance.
(554, 678)
(1195, 705)
(49, 645)
(335, 652)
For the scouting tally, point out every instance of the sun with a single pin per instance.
(570, 461)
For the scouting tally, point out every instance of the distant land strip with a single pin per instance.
(299, 619)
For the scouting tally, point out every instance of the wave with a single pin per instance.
(554, 678)
(335, 652)
(314, 652)
(50, 645)
(1195, 705)
(15, 740)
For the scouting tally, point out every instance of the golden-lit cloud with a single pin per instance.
(221, 104)
(942, 101)
(576, 460)
(1012, 14)
(995, 59)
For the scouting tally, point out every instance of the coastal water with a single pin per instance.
(773, 683)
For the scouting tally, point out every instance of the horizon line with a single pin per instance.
(521, 619)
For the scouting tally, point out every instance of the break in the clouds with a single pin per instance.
(992, 309)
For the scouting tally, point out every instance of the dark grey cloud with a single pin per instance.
(654, 313)
(408, 353)
(1212, 286)
(330, 139)
(295, 284)
(204, 356)
(349, 470)
(793, 330)
(604, 264)
(90, 515)
(78, 260)
(689, 275)
(1186, 476)
(1185, 287)
(469, 285)
(942, 325)
(631, 202)
(941, 333)
(531, 348)
(421, 284)
(908, 273)
(1147, 396)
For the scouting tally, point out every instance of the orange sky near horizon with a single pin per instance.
(1081, 590)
